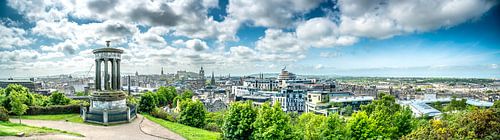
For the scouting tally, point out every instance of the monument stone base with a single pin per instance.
(109, 107)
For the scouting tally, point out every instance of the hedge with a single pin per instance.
(53, 109)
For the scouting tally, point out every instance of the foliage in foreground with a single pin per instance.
(190, 133)
(192, 113)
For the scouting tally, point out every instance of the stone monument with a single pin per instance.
(108, 100)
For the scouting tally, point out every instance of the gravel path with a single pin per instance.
(139, 129)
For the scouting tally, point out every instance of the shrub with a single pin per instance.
(54, 109)
(148, 102)
(192, 113)
(159, 113)
(4, 114)
(58, 98)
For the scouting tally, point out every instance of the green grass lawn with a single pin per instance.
(56, 117)
(13, 129)
(190, 133)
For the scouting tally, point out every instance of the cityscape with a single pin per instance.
(236, 69)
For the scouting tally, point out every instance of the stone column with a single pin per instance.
(119, 78)
(113, 74)
(100, 74)
(97, 74)
(106, 75)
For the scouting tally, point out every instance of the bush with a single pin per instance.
(58, 98)
(159, 113)
(192, 113)
(4, 114)
(148, 102)
(54, 109)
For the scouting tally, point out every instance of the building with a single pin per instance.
(320, 102)
(256, 100)
(285, 75)
(262, 84)
(26, 83)
(290, 100)
(201, 79)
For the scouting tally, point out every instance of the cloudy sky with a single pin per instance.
(444, 38)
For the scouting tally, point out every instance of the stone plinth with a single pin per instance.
(108, 100)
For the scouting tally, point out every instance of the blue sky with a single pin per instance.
(422, 38)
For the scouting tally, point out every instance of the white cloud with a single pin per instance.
(196, 45)
(384, 19)
(277, 41)
(21, 55)
(319, 66)
(12, 37)
(321, 32)
(270, 13)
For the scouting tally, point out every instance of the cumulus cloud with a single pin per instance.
(12, 37)
(387, 18)
(196, 45)
(322, 32)
(270, 13)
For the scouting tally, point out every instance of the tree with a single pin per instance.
(238, 121)
(17, 100)
(166, 95)
(58, 98)
(334, 128)
(311, 125)
(496, 104)
(348, 111)
(11, 88)
(188, 94)
(272, 123)
(391, 120)
(162, 96)
(192, 113)
(148, 102)
(456, 104)
(361, 126)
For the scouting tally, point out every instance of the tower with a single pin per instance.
(212, 81)
(201, 81)
(161, 70)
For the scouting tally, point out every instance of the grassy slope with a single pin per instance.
(57, 117)
(12, 129)
(190, 133)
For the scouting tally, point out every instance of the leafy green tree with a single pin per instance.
(238, 121)
(272, 123)
(17, 100)
(456, 104)
(192, 113)
(391, 120)
(11, 88)
(58, 98)
(334, 128)
(187, 94)
(148, 102)
(361, 126)
(496, 104)
(162, 96)
(166, 95)
(171, 94)
(311, 125)
(348, 111)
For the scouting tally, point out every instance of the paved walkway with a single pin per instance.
(139, 129)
